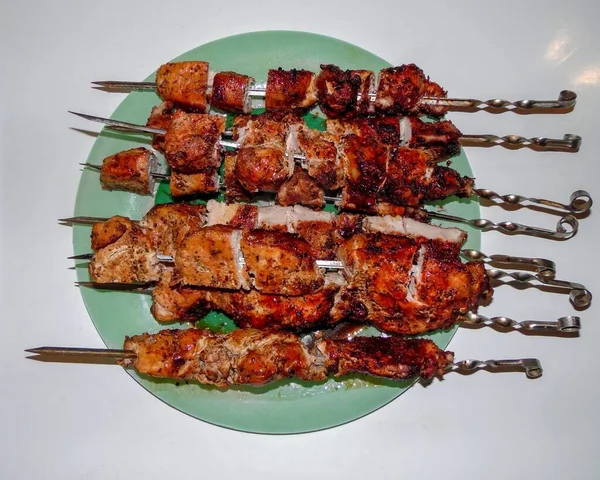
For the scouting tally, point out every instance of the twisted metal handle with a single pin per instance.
(543, 266)
(579, 296)
(566, 99)
(531, 366)
(568, 324)
(580, 200)
(569, 142)
(566, 227)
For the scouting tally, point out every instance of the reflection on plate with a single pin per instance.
(285, 407)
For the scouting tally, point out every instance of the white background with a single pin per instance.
(81, 421)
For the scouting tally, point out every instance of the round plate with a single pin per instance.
(285, 407)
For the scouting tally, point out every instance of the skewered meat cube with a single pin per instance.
(434, 90)
(192, 142)
(319, 229)
(388, 280)
(184, 83)
(183, 184)
(129, 171)
(256, 357)
(234, 192)
(301, 189)
(160, 117)
(337, 91)
(400, 90)
(230, 92)
(440, 139)
(365, 163)
(385, 130)
(290, 90)
(321, 151)
(123, 253)
(280, 263)
(210, 258)
(411, 179)
(237, 215)
(167, 225)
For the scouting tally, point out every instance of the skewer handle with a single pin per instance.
(566, 227)
(531, 366)
(543, 266)
(569, 142)
(566, 99)
(580, 200)
(569, 324)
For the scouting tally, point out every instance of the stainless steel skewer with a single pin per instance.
(531, 366)
(569, 142)
(566, 98)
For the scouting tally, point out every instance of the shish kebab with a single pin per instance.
(339, 93)
(383, 286)
(257, 357)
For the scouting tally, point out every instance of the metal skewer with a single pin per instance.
(566, 98)
(530, 366)
(569, 142)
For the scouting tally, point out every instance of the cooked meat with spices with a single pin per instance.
(184, 184)
(290, 90)
(237, 215)
(123, 253)
(192, 142)
(230, 92)
(256, 357)
(440, 139)
(160, 117)
(321, 151)
(337, 91)
(129, 171)
(185, 84)
(301, 189)
(234, 192)
(280, 263)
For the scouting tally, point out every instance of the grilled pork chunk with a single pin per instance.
(130, 171)
(184, 184)
(185, 84)
(230, 92)
(301, 189)
(160, 117)
(290, 90)
(321, 152)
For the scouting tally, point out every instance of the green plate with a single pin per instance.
(286, 407)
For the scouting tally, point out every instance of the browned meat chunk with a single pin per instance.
(400, 90)
(432, 89)
(192, 142)
(230, 92)
(385, 130)
(184, 83)
(237, 215)
(440, 139)
(234, 192)
(130, 171)
(183, 184)
(290, 90)
(300, 189)
(337, 91)
(161, 117)
(321, 152)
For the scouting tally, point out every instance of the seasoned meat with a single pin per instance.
(321, 152)
(167, 225)
(301, 189)
(400, 90)
(440, 139)
(192, 142)
(290, 90)
(319, 229)
(230, 92)
(130, 171)
(184, 184)
(237, 215)
(256, 357)
(385, 130)
(280, 263)
(185, 84)
(210, 258)
(123, 253)
(161, 117)
(432, 89)
(337, 91)
(173, 302)
(234, 192)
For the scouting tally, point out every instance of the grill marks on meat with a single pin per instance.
(280, 263)
(185, 84)
(405, 286)
(290, 90)
(123, 253)
(257, 357)
(129, 171)
(230, 92)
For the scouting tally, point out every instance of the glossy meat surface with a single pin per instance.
(441, 139)
(184, 184)
(230, 92)
(321, 152)
(301, 189)
(129, 171)
(185, 84)
(400, 90)
(256, 357)
(123, 253)
(337, 91)
(290, 90)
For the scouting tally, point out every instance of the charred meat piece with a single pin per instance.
(234, 192)
(230, 92)
(400, 90)
(192, 142)
(432, 89)
(161, 117)
(319, 229)
(184, 184)
(256, 357)
(167, 225)
(321, 152)
(411, 179)
(185, 84)
(280, 263)
(130, 171)
(301, 189)
(290, 90)
(210, 257)
(365, 163)
(337, 91)
(440, 139)
(123, 253)
(385, 130)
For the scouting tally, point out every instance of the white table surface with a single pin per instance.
(94, 422)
